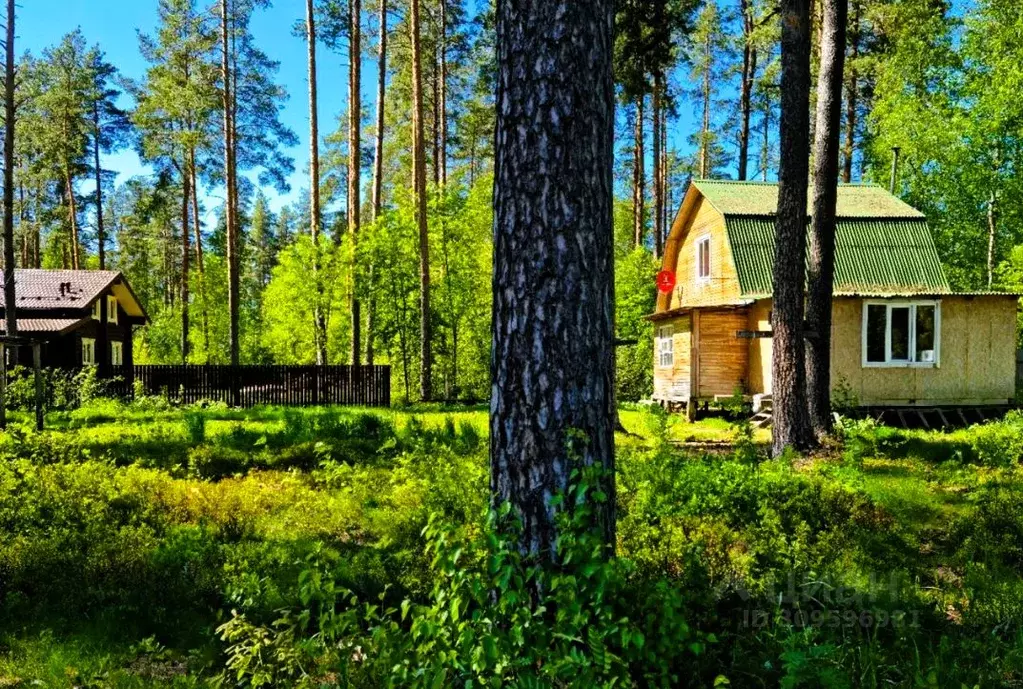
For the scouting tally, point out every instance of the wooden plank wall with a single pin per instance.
(723, 358)
(247, 386)
(674, 383)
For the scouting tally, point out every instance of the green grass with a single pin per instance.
(128, 533)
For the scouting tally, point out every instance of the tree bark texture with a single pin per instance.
(355, 166)
(553, 284)
(820, 285)
(791, 424)
(419, 184)
(638, 176)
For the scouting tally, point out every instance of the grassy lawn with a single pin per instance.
(129, 534)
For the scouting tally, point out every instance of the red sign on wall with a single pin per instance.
(665, 281)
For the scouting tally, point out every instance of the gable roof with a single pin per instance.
(882, 244)
(761, 198)
(39, 289)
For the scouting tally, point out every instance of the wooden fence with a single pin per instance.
(246, 386)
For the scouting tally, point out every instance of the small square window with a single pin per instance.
(112, 310)
(116, 354)
(88, 351)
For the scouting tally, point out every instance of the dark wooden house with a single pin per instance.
(82, 317)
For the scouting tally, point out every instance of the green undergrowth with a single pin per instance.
(144, 545)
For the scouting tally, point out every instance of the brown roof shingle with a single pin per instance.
(44, 325)
(42, 289)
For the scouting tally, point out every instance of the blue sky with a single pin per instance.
(114, 25)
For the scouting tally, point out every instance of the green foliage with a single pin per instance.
(635, 298)
(493, 618)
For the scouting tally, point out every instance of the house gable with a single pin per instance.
(698, 221)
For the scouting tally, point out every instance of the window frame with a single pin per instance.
(116, 346)
(112, 309)
(912, 304)
(91, 342)
(97, 313)
(700, 241)
(665, 336)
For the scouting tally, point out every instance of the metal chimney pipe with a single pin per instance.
(895, 168)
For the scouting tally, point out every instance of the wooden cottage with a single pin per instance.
(900, 335)
(82, 317)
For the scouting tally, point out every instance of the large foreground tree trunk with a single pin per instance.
(825, 194)
(791, 425)
(419, 184)
(551, 366)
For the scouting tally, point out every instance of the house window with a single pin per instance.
(901, 334)
(665, 345)
(96, 310)
(116, 353)
(112, 310)
(703, 259)
(88, 351)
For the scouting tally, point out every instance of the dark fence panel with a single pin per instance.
(246, 386)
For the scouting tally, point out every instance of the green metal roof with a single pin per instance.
(877, 256)
(761, 198)
(882, 244)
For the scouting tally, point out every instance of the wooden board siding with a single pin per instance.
(696, 220)
(977, 359)
(674, 383)
(723, 358)
(759, 348)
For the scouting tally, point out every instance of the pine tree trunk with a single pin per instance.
(638, 176)
(443, 108)
(552, 405)
(992, 230)
(186, 252)
(435, 104)
(791, 423)
(355, 166)
(419, 184)
(10, 313)
(822, 236)
(230, 221)
(378, 168)
(378, 158)
(705, 125)
(749, 72)
(851, 95)
(658, 180)
(101, 239)
(319, 319)
(200, 265)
